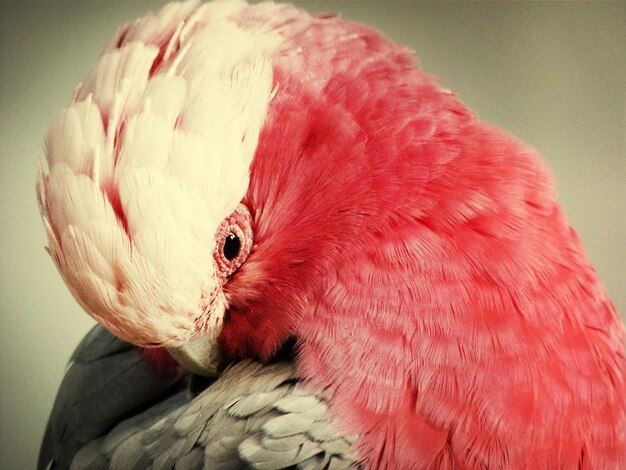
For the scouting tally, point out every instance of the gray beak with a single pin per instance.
(201, 355)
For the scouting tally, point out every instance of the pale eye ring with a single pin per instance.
(233, 242)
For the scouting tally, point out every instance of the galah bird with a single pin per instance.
(232, 178)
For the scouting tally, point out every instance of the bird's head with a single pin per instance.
(186, 198)
(148, 166)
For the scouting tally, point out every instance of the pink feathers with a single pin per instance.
(439, 297)
(420, 257)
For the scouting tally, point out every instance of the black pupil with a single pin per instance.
(232, 245)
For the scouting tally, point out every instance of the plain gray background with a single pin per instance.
(551, 73)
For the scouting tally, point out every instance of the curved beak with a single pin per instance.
(201, 355)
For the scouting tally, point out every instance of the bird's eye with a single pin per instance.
(232, 246)
(233, 242)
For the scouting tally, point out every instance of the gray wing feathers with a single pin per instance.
(253, 416)
(299, 434)
(106, 381)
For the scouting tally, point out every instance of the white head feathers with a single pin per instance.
(149, 158)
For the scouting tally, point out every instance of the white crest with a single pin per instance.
(152, 154)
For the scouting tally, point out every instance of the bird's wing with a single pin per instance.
(253, 416)
(297, 432)
(106, 381)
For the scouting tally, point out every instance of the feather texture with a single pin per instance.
(443, 307)
(438, 293)
(106, 381)
(159, 137)
(237, 422)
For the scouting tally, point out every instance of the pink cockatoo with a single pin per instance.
(229, 177)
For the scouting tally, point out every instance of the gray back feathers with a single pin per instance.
(253, 416)
(106, 381)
